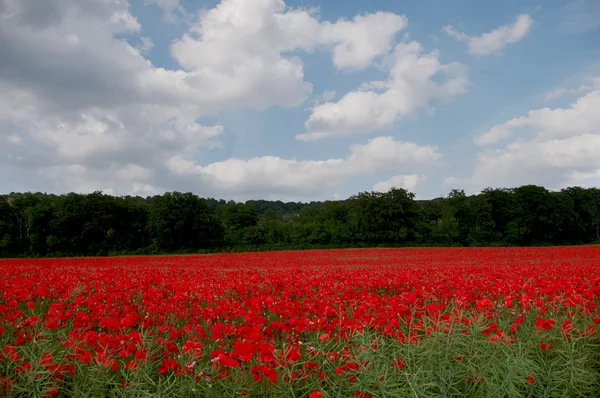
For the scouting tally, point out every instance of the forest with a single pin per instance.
(48, 225)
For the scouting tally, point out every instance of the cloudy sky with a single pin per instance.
(298, 100)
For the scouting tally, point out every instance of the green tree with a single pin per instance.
(430, 219)
(8, 232)
(42, 216)
(36, 224)
(504, 208)
(535, 220)
(586, 214)
(476, 221)
(183, 221)
(240, 221)
(390, 217)
(334, 218)
(273, 228)
(595, 193)
(83, 224)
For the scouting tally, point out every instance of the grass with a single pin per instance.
(458, 362)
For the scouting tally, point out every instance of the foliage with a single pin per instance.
(39, 225)
(182, 221)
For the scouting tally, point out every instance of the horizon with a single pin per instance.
(306, 202)
(298, 101)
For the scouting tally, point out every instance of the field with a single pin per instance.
(339, 323)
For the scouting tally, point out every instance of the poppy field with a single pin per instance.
(333, 323)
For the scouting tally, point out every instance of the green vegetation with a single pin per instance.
(455, 361)
(35, 224)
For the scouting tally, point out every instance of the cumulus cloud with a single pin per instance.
(145, 45)
(82, 108)
(553, 147)
(328, 95)
(412, 83)
(547, 163)
(495, 41)
(274, 175)
(240, 50)
(580, 118)
(173, 11)
(408, 182)
(554, 94)
(561, 91)
(581, 179)
(450, 181)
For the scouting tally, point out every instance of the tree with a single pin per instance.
(36, 224)
(237, 216)
(42, 216)
(334, 218)
(183, 221)
(273, 228)
(595, 193)
(83, 224)
(239, 221)
(23, 205)
(430, 218)
(476, 221)
(504, 207)
(534, 219)
(129, 231)
(585, 217)
(390, 217)
(8, 232)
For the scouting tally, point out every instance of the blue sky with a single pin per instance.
(299, 100)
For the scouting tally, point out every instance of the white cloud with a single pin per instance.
(239, 51)
(581, 117)
(560, 149)
(145, 45)
(328, 95)
(547, 163)
(233, 56)
(125, 19)
(85, 179)
(582, 179)
(408, 182)
(14, 139)
(380, 104)
(561, 91)
(495, 41)
(358, 42)
(499, 132)
(173, 11)
(134, 172)
(554, 94)
(272, 175)
(267, 28)
(449, 181)
(82, 108)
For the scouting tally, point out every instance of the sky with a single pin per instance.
(298, 100)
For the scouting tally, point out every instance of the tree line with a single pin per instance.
(39, 225)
